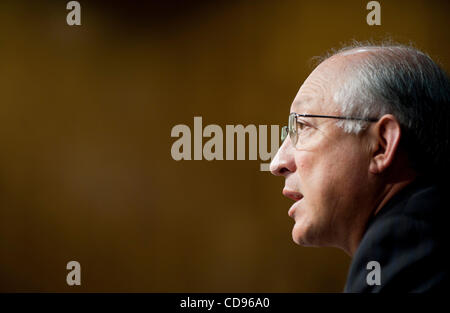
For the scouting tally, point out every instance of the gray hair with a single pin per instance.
(405, 82)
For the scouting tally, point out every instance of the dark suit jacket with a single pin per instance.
(409, 239)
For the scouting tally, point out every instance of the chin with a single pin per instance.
(307, 235)
(300, 236)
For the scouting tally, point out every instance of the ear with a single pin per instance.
(385, 135)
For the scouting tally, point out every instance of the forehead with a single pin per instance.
(307, 104)
(313, 99)
(317, 92)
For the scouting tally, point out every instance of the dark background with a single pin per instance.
(86, 112)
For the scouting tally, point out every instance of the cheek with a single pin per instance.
(304, 162)
(314, 182)
(318, 181)
(329, 178)
(323, 177)
(314, 171)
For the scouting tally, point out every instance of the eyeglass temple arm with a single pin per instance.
(339, 117)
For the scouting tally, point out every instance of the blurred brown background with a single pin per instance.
(86, 112)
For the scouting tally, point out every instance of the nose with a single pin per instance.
(283, 162)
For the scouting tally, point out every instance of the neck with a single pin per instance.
(386, 192)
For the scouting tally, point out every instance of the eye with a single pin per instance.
(301, 125)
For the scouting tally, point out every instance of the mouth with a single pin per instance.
(291, 211)
(296, 196)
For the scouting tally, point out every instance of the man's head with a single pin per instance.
(341, 171)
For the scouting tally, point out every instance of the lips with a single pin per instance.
(291, 211)
(294, 195)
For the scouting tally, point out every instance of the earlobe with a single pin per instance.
(386, 135)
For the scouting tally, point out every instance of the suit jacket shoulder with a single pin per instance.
(407, 238)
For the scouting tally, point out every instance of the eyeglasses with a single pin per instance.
(295, 126)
